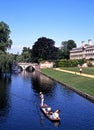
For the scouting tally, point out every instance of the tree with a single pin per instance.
(6, 60)
(5, 41)
(26, 53)
(66, 47)
(71, 44)
(44, 48)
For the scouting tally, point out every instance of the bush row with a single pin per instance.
(71, 63)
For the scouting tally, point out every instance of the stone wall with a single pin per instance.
(46, 65)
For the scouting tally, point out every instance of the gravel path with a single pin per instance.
(82, 74)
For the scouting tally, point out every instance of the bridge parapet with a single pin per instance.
(24, 66)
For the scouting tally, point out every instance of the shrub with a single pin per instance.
(69, 63)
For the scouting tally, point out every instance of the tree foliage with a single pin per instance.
(5, 41)
(44, 48)
(6, 60)
(66, 46)
(25, 55)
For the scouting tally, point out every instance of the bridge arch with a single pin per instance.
(24, 66)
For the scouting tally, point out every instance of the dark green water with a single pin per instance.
(20, 104)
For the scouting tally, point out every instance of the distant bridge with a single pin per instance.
(24, 66)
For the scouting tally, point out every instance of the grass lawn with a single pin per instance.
(81, 83)
(88, 70)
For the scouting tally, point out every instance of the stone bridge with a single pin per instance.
(24, 66)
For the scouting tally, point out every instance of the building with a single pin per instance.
(86, 51)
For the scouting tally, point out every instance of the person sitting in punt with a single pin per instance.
(48, 109)
(55, 115)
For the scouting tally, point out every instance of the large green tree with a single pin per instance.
(5, 41)
(66, 46)
(6, 60)
(44, 48)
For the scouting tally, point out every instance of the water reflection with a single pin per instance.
(42, 83)
(5, 81)
(25, 74)
(39, 82)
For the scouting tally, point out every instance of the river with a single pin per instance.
(20, 104)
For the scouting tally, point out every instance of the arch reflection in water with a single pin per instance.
(42, 83)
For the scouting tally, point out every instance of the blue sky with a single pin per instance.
(60, 20)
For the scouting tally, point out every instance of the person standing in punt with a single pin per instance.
(42, 98)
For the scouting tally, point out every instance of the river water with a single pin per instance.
(20, 104)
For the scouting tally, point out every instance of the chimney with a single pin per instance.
(89, 42)
(83, 43)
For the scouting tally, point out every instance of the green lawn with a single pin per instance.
(88, 70)
(81, 83)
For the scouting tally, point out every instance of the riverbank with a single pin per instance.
(82, 85)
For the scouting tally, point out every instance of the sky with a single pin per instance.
(59, 20)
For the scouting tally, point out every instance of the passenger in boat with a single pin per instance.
(55, 115)
(48, 110)
(42, 98)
